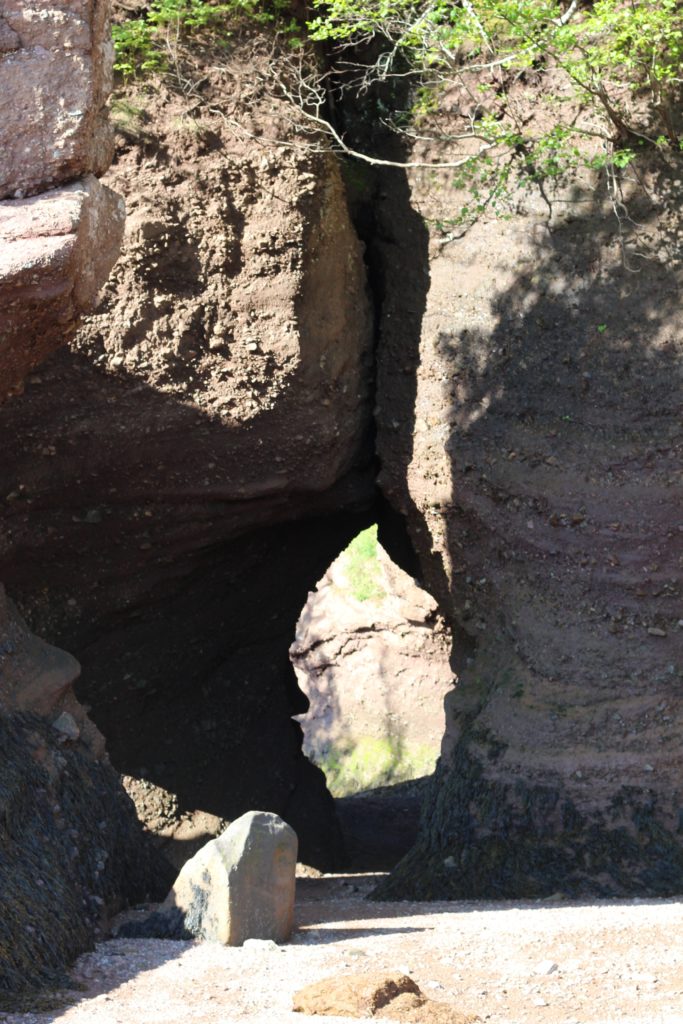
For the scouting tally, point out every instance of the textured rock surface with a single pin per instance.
(70, 845)
(538, 463)
(56, 249)
(188, 470)
(376, 673)
(37, 678)
(55, 76)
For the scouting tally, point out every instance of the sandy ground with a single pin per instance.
(544, 962)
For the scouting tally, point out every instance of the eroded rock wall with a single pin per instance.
(189, 468)
(538, 464)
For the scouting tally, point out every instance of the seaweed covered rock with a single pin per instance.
(71, 848)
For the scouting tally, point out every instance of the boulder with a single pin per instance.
(239, 886)
(55, 76)
(56, 251)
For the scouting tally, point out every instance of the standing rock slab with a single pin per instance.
(239, 886)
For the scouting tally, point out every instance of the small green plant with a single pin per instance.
(361, 566)
(143, 45)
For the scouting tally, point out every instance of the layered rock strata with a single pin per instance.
(538, 465)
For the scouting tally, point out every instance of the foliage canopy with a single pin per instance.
(606, 76)
(612, 67)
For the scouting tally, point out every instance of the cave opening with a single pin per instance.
(209, 690)
(372, 656)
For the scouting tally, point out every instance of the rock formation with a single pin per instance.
(57, 247)
(187, 471)
(537, 464)
(239, 886)
(180, 477)
(376, 671)
(71, 848)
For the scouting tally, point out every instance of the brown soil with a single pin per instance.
(542, 962)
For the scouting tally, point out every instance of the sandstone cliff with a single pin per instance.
(537, 464)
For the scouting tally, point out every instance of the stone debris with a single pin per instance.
(546, 967)
(67, 727)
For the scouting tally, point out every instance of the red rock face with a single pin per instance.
(537, 462)
(55, 76)
(58, 247)
(56, 250)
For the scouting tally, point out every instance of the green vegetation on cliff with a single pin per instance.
(150, 41)
(512, 91)
(605, 76)
(362, 567)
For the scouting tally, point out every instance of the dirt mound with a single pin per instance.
(391, 996)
